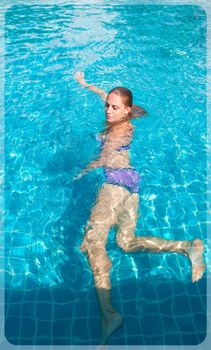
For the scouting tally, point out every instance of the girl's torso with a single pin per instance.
(119, 158)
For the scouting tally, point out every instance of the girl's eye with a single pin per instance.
(113, 107)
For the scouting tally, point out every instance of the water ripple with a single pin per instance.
(50, 123)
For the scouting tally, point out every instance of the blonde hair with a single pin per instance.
(127, 98)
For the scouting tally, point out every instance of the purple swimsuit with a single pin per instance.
(126, 177)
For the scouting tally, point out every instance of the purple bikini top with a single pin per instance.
(124, 147)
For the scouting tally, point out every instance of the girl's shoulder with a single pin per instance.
(118, 131)
(126, 127)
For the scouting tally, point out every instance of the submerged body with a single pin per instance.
(117, 169)
(117, 205)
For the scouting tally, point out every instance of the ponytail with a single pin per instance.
(137, 112)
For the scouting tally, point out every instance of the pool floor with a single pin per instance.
(161, 313)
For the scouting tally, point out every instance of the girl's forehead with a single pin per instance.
(114, 99)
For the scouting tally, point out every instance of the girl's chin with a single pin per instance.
(113, 121)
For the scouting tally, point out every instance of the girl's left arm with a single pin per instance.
(92, 165)
(115, 140)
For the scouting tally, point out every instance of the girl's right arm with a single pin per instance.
(79, 76)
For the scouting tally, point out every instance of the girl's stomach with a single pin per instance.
(118, 160)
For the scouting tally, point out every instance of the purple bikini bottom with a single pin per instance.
(126, 177)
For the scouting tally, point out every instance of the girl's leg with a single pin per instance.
(101, 265)
(127, 240)
(104, 215)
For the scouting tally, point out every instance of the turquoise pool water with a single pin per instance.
(159, 52)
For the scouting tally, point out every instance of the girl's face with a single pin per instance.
(115, 109)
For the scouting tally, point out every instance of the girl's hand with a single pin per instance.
(92, 165)
(77, 177)
(79, 76)
(82, 173)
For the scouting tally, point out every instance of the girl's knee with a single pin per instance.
(124, 243)
(95, 236)
(89, 246)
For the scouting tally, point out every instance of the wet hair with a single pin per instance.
(125, 93)
(127, 98)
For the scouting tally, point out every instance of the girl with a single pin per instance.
(117, 204)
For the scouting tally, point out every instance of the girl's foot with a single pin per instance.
(110, 325)
(195, 254)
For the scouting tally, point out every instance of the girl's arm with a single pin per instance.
(92, 165)
(116, 139)
(79, 76)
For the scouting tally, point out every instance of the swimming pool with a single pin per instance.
(159, 52)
